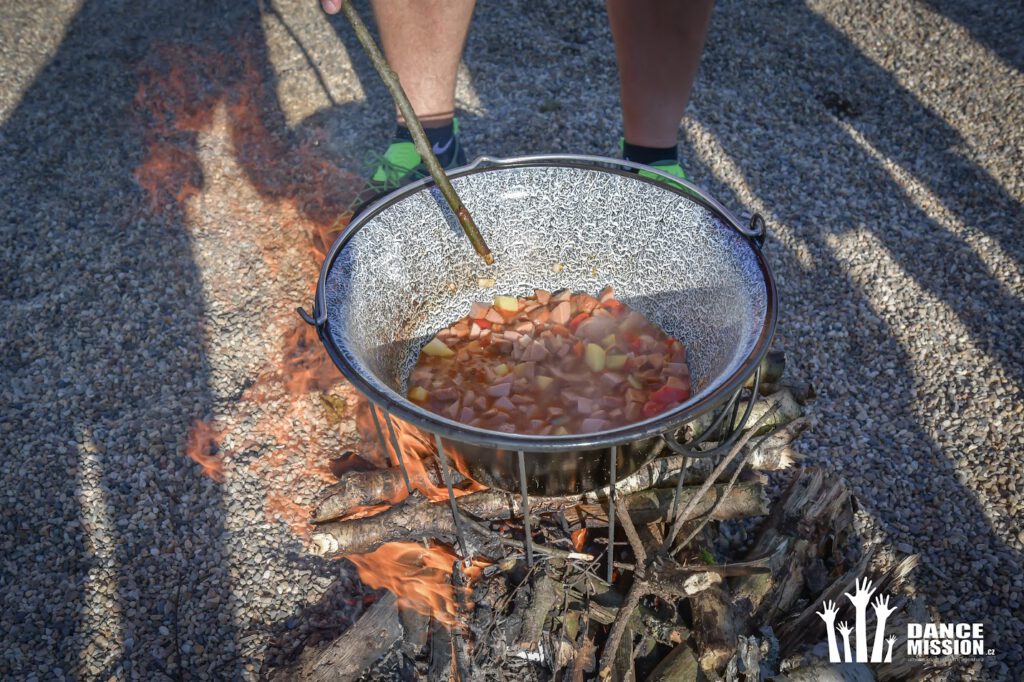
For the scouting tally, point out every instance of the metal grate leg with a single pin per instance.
(526, 509)
(398, 449)
(675, 503)
(611, 514)
(446, 474)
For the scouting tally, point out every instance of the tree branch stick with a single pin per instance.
(390, 79)
(688, 509)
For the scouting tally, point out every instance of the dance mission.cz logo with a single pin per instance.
(881, 648)
(923, 639)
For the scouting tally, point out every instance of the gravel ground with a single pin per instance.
(883, 142)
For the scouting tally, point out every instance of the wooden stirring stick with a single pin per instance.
(419, 137)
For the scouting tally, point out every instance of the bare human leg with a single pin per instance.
(423, 42)
(658, 44)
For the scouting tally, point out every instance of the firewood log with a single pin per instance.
(813, 509)
(416, 518)
(355, 650)
(680, 664)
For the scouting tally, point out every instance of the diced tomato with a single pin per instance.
(483, 324)
(577, 321)
(669, 394)
(561, 330)
(633, 341)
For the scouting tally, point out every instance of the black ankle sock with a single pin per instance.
(440, 138)
(648, 155)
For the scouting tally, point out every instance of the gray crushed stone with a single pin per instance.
(882, 141)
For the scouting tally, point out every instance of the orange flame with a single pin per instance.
(201, 446)
(419, 576)
(417, 446)
(579, 539)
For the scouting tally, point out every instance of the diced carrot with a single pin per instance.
(561, 330)
(579, 348)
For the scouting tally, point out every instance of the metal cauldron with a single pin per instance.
(403, 269)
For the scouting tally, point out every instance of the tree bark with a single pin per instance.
(356, 649)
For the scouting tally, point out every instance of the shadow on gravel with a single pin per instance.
(114, 546)
(996, 25)
(112, 542)
(817, 179)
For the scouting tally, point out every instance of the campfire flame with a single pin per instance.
(184, 92)
(201, 447)
(579, 539)
(417, 447)
(419, 576)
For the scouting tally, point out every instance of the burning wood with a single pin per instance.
(694, 604)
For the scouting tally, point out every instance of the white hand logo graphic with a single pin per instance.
(882, 613)
(845, 630)
(860, 601)
(828, 614)
(888, 654)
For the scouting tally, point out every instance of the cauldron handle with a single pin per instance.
(689, 449)
(314, 320)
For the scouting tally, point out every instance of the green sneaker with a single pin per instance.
(670, 167)
(667, 166)
(402, 164)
